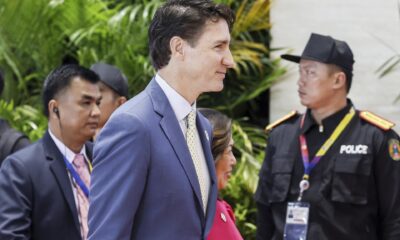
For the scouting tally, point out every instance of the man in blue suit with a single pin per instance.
(39, 194)
(153, 175)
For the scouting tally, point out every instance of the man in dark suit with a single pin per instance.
(154, 175)
(42, 190)
(10, 139)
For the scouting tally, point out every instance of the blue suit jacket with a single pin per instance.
(144, 184)
(36, 197)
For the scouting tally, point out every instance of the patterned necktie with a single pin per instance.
(191, 142)
(83, 202)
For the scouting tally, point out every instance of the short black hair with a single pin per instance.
(349, 75)
(349, 79)
(185, 19)
(60, 79)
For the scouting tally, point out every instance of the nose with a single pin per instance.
(228, 59)
(233, 160)
(301, 81)
(95, 111)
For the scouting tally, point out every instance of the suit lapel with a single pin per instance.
(173, 132)
(59, 170)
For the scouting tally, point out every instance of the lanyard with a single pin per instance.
(308, 166)
(76, 176)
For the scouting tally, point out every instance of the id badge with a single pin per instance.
(296, 223)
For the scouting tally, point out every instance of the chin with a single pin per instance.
(90, 134)
(219, 87)
(304, 103)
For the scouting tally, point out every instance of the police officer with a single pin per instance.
(114, 90)
(335, 169)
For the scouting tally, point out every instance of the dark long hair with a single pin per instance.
(222, 132)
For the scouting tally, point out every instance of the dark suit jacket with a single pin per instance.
(144, 183)
(36, 197)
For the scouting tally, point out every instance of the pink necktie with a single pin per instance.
(83, 202)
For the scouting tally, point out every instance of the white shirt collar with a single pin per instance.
(65, 151)
(179, 104)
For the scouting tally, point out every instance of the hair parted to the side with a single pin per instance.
(185, 19)
(60, 79)
(222, 130)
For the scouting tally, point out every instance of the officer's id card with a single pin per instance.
(296, 224)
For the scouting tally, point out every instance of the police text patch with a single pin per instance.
(354, 149)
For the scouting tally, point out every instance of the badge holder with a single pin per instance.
(296, 224)
(296, 221)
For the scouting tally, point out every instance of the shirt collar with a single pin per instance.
(179, 104)
(329, 123)
(65, 151)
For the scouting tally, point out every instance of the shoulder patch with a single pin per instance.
(376, 120)
(269, 127)
(394, 149)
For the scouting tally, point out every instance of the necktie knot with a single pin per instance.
(79, 161)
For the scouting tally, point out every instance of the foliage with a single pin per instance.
(24, 118)
(249, 146)
(36, 36)
(244, 207)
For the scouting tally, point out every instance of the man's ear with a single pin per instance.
(121, 100)
(176, 45)
(52, 106)
(340, 80)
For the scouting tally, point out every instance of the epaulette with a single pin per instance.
(376, 120)
(269, 127)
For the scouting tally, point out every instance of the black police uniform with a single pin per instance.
(354, 190)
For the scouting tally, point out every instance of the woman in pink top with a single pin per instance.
(224, 220)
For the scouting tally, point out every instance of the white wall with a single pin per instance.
(368, 26)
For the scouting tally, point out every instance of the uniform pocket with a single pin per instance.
(350, 179)
(281, 175)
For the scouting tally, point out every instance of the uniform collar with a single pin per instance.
(329, 123)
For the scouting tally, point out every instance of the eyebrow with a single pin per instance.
(222, 41)
(91, 97)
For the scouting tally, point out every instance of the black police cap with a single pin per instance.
(112, 77)
(327, 50)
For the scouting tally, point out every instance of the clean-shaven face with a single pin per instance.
(207, 63)
(315, 84)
